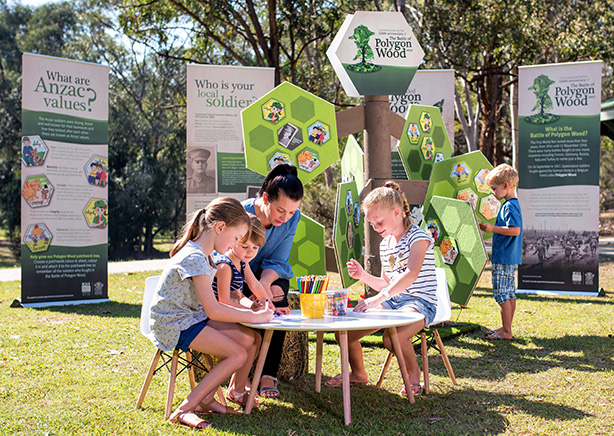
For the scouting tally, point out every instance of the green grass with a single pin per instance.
(77, 370)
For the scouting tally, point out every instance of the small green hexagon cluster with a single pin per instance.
(307, 254)
(290, 124)
(348, 234)
(462, 177)
(456, 221)
(424, 141)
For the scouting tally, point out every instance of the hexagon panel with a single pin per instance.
(444, 180)
(424, 141)
(460, 251)
(348, 230)
(96, 213)
(37, 237)
(375, 53)
(37, 190)
(307, 255)
(96, 170)
(467, 194)
(289, 121)
(33, 150)
(353, 163)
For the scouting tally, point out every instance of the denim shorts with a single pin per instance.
(188, 335)
(503, 282)
(404, 301)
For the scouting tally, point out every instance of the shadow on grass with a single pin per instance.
(535, 354)
(550, 298)
(300, 410)
(111, 309)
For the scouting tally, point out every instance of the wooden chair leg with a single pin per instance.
(188, 357)
(425, 362)
(171, 384)
(384, 370)
(150, 373)
(444, 356)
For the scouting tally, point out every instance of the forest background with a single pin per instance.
(147, 44)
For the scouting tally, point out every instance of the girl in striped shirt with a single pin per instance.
(407, 281)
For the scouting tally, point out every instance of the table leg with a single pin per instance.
(319, 346)
(345, 376)
(398, 351)
(264, 349)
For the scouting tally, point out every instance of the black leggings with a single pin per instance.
(273, 357)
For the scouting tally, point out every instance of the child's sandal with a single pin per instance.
(239, 398)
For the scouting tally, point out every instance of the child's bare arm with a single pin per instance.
(224, 277)
(254, 284)
(501, 230)
(356, 271)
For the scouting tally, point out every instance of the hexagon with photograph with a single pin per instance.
(419, 149)
(460, 172)
(348, 229)
(96, 213)
(96, 170)
(37, 190)
(433, 228)
(273, 111)
(33, 150)
(319, 133)
(460, 249)
(307, 255)
(443, 184)
(37, 237)
(288, 120)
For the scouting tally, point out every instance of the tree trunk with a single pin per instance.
(492, 97)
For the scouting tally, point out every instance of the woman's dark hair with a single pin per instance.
(282, 178)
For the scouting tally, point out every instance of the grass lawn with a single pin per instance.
(77, 370)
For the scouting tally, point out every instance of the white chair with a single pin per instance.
(443, 313)
(176, 358)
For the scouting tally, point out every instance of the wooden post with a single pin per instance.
(377, 166)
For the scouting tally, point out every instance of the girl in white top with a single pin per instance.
(186, 314)
(407, 281)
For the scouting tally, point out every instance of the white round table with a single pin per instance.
(372, 319)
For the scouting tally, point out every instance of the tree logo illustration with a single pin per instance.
(541, 86)
(364, 52)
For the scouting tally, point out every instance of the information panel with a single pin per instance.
(558, 164)
(215, 153)
(64, 177)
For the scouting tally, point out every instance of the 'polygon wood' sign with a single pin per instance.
(375, 53)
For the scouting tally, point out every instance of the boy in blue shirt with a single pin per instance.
(506, 246)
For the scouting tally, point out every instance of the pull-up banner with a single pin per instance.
(558, 164)
(215, 157)
(64, 176)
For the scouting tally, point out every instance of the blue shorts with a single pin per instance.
(503, 282)
(404, 301)
(188, 335)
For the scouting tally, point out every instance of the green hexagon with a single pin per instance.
(457, 222)
(418, 163)
(302, 111)
(262, 138)
(347, 247)
(307, 253)
(442, 184)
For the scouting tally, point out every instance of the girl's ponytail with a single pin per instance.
(191, 230)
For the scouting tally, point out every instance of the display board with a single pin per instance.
(307, 255)
(348, 230)
(375, 53)
(215, 153)
(464, 178)
(459, 247)
(353, 163)
(64, 178)
(424, 141)
(290, 125)
(558, 164)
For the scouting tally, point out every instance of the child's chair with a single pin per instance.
(176, 359)
(443, 313)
